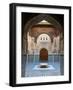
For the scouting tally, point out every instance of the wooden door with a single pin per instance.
(43, 55)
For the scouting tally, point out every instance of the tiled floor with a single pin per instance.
(55, 62)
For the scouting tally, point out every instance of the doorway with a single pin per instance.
(43, 55)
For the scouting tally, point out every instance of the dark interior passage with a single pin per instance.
(43, 55)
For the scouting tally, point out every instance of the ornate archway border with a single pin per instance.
(36, 20)
(39, 18)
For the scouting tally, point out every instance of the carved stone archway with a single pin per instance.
(33, 23)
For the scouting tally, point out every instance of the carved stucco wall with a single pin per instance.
(30, 37)
(35, 47)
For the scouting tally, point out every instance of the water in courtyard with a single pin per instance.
(31, 66)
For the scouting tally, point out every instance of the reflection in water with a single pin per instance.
(30, 68)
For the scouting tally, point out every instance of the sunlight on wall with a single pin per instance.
(43, 41)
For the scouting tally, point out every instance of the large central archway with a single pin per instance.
(44, 41)
(43, 55)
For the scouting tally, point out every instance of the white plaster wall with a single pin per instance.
(44, 41)
(55, 48)
(34, 48)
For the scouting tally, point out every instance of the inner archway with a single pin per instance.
(43, 55)
(44, 41)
